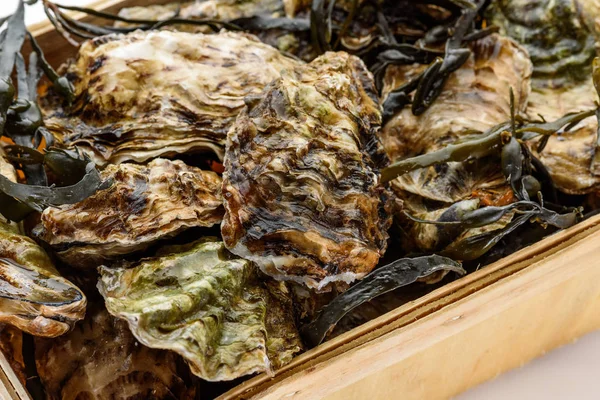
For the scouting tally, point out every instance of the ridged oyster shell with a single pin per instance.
(475, 98)
(159, 93)
(207, 305)
(144, 204)
(301, 182)
(101, 360)
(561, 38)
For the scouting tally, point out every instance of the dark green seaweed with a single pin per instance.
(399, 273)
(485, 144)
(21, 120)
(40, 197)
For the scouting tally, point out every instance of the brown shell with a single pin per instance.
(101, 360)
(158, 93)
(33, 295)
(144, 204)
(301, 181)
(475, 98)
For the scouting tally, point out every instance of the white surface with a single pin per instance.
(572, 372)
(35, 13)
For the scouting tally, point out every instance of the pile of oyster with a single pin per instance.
(209, 188)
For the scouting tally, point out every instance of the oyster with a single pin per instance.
(101, 360)
(560, 37)
(33, 296)
(474, 99)
(207, 305)
(159, 93)
(144, 204)
(301, 181)
(220, 10)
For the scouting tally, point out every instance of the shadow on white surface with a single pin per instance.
(570, 372)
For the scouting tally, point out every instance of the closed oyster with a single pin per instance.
(33, 296)
(144, 204)
(101, 360)
(301, 181)
(475, 98)
(207, 305)
(220, 10)
(159, 93)
(560, 38)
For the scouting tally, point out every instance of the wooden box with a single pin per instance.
(458, 336)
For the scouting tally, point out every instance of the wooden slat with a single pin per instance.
(10, 386)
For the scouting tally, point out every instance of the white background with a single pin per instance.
(572, 372)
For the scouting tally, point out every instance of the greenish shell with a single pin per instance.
(207, 305)
(556, 35)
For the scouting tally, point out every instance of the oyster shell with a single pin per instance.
(207, 305)
(144, 204)
(301, 181)
(475, 98)
(556, 35)
(33, 296)
(560, 37)
(101, 360)
(220, 10)
(159, 93)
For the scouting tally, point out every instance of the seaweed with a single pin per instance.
(384, 279)
(482, 145)
(21, 121)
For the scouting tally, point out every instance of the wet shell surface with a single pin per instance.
(475, 98)
(33, 295)
(160, 93)
(301, 182)
(560, 37)
(101, 360)
(204, 303)
(144, 204)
